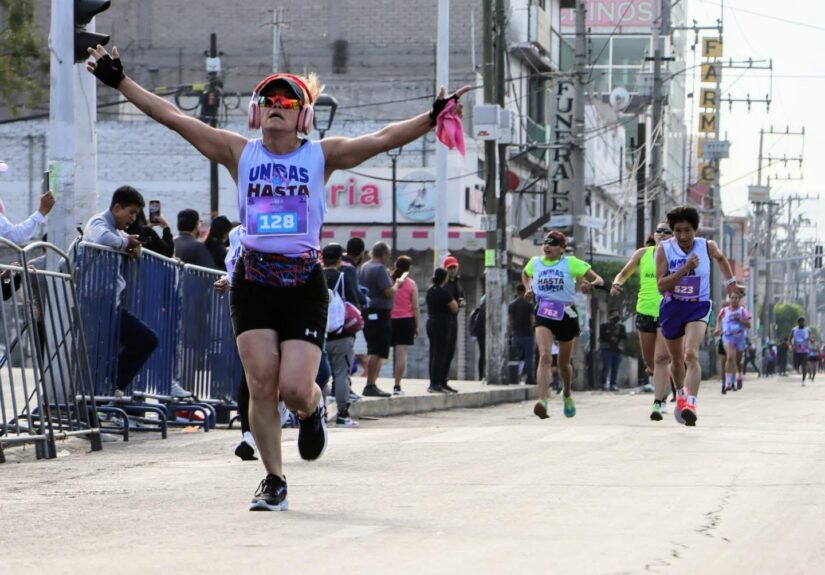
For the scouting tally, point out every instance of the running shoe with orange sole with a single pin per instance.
(689, 415)
(681, 402)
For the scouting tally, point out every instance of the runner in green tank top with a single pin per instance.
(654, 350)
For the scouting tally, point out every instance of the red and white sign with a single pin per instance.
(606, 15)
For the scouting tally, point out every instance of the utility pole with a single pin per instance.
(494, 273)
(210, 106)
(767, 238)
(578, 132)
(442, 78)
(277, 20)
(658, 131)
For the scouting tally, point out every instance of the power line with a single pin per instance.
(769, 16)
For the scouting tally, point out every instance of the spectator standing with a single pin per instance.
(352, 259)
(441, 307)
(377, 323)
(453, 287)
(149, 238)
(611, 336)
(750, 357)
(405, 318)
(216, 241)
(187, 247)
(781, 357)
(520, 330)
(340, 345)
(137, 340)
(478, 330)
(26, 230)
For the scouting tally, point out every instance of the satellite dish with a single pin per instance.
(619, 98)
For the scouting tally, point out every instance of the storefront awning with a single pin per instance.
(410, 238)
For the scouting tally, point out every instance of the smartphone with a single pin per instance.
(154, 211)
(45, 184)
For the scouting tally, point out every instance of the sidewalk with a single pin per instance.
(416, 399)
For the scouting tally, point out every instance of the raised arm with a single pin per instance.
(628, 270)
(724, 268)
(345, 153)
(221, 146)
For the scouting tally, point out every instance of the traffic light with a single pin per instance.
(818, 258)
(84, 11)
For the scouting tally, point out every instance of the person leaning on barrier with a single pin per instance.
(26, 230)
(149, 238)
(136, 339)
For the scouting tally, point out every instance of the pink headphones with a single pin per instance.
(304, 116)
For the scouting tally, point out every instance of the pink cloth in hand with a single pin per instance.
(448, 128)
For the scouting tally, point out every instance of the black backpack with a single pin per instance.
(478, 319)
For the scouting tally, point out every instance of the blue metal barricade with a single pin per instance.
(210, 366)
(96, 269)
(152, 296)
(46, 389)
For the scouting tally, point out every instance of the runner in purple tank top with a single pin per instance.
(683, 277)
(278, 296)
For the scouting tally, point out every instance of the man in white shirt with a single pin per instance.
(28, 228)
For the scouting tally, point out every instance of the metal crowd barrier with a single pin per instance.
(210, 366)
(196, 343)
(46, 384)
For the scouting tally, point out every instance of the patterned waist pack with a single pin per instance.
(276, 270)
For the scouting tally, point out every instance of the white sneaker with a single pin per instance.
(346, 422)
(178, 392)
(663, 406)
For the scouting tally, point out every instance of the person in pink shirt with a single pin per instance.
(405, 318)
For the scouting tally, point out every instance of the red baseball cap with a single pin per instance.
(450, 261)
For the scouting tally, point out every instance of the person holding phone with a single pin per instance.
(149, 238)
(28, 229)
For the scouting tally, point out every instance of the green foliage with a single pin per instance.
(785, 316)
(625, 302)
(23, 60)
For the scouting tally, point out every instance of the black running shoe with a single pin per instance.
(271, 495)
(245, 451)
(449, 389)
(312, 435)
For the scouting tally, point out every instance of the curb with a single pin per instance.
(410, 405)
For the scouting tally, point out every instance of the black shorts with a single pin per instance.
(720, 349)
(403, 331)
(566, 329)
(292, 312)
(646, 323)
(799, 358)
(378, 332)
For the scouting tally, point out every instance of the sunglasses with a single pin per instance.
(666, 231)
(552, 242)
(285, 103)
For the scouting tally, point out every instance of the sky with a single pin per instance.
(763, 30)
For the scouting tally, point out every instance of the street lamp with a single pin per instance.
(324, 109)
(393, 154)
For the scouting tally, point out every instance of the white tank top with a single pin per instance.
(695, 286)
(554, 283)
(281, 199)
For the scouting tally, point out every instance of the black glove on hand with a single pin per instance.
(109, 71)
(438, 106)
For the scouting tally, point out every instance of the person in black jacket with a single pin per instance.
(141, 227)
(453, 287)
(216, 240)
(441, 309)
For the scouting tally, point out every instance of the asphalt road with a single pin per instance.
(491, 490)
